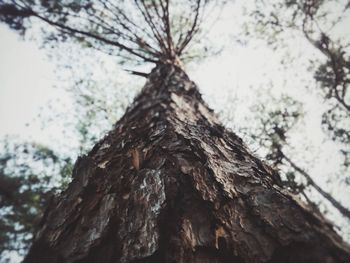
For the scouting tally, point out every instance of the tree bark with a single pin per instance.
(170, 184)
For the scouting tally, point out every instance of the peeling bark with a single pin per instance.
(170, 184)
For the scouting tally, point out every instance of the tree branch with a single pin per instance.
(94, 36)
(310, 181)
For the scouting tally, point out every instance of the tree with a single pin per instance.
(318, 23)
(272, 133)
(29, 175)
(169, 183)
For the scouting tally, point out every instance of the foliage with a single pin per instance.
(147, 30)
(98, 105)
(318, 22)
(29, 175)
(274, 119)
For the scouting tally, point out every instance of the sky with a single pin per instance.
(29, 85)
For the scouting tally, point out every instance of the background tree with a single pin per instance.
(29, 176)
(272, 132)
(318, 23)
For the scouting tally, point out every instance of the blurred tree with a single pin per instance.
(273, 124)
(29, 175)
(319, 23)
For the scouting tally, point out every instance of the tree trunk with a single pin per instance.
(170, 184)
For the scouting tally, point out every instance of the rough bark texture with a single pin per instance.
(170, 184)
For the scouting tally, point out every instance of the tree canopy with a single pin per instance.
(147, 30)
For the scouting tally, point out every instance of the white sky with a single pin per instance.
(26, 85)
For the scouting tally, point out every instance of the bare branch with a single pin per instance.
(94, 36)
(311, 182)
(190, 33)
